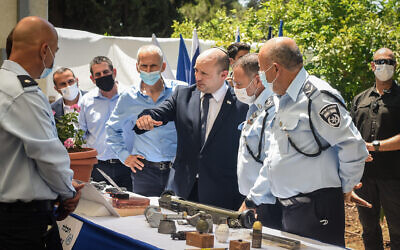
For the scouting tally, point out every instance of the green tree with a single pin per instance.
(337, 37)
(204, 10)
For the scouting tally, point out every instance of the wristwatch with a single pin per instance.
(249, 203)
(376, 145)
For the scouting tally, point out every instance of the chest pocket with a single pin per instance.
(289, 128)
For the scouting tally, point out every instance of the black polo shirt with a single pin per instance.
(377, 118)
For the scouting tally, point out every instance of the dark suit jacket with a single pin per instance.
(57, 106)
(216, 161)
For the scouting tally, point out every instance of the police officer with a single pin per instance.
(34, 164)
(316, 154)
(250, 90)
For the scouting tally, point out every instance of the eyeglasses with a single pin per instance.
(385, 61)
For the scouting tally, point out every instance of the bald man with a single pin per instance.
(376, 113)
(34, 163)
(206, 117)
(315, 152)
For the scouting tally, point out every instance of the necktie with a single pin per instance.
(203, 116)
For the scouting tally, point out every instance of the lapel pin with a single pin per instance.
(229, 102)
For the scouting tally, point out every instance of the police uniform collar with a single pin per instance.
(14, 67)
(262, 98)
(295, 87)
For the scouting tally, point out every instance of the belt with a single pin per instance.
(33, 206)
(110, 161)
(163, 165)
(294, 200)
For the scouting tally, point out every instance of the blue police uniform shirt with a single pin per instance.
(95, 112)
(247, 167)
(34, 163)
(288, 172)
(156, 145)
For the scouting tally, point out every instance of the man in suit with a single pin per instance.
(206, 117)
(66, 84)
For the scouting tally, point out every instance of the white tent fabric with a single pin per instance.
(77, 48)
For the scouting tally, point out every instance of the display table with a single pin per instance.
(134, 232)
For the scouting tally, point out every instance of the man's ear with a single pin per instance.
(224, 74)
(163, 66)
(43, 51)
(114, 73)
(137, 67)
(373, 67)
(230, 61)
(92, 78)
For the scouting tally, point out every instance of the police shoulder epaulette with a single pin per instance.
(26, 81)
(269, 103)
(309, 89)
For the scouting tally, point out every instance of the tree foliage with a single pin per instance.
(201, 11)
(337, 37)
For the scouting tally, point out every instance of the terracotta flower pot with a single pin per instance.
(82, 163)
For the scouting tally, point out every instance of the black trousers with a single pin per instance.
(120, 173)
(385, 194)
(150, 181)
(28, 230)
(270, 215)
(321, 219)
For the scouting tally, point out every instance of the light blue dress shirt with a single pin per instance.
(34, 163)
(289, 173)
(156, 145)
(95, 111)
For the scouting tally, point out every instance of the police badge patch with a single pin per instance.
(331, 115)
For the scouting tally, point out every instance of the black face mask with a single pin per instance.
(105, 83)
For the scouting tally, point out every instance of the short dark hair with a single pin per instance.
(234, 48)
(249, 64)
(223, 60)
(99, 60)
(60, 71)
(288, 56)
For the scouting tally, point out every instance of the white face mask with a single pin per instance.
(241, 94)
(69, 93)
(384, 71)
(263, 78)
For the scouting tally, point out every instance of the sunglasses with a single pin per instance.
(385, 61)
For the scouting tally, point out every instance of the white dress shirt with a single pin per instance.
(214, 106)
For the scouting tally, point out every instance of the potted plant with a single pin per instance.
(82, 159)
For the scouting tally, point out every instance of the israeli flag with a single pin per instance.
(237, 35)
(184, 65)
(195, 53)
(280, 28)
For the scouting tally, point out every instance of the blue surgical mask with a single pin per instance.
(47, 71)
(263, 78)
(150, 78)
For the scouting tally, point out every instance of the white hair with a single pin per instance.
(150, 48)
